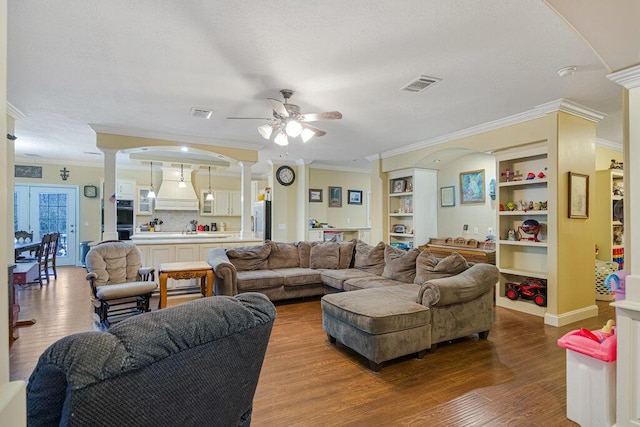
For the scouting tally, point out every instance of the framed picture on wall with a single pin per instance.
(355, 197)
(578, 195)
(472, 187)
(335, 197)
(315, 194)
(447, 196)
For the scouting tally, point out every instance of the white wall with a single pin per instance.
(480, 216)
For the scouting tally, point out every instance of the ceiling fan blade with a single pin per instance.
(318, 132)
(278, 107)
(329, 115)
(249, 118)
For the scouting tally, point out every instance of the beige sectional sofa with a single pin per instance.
(398, 302)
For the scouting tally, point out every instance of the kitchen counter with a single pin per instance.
(178, 237)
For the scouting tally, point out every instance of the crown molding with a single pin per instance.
(571, 108)
(608, 144)
(14, 112)
(338, 168)
(629, 77)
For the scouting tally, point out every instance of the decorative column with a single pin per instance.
(245, 230)
(109, 196)
(628, 310)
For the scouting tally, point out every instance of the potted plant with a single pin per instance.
(156, 223)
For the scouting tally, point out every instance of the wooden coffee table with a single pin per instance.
(185, 270)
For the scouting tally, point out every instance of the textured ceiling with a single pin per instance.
(138, 67)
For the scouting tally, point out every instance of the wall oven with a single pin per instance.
(124, 219)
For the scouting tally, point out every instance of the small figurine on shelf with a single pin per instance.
(530, 176)
(618, 189)
(511, 206)
(615, 165)
(541, 175)
(511, 235)
(507, 174)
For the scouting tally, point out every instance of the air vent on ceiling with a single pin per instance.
(201, 113)
(420, 84)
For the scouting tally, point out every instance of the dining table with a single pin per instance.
(25, 247)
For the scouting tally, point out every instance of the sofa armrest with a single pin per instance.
(466, 286)
(226, 275)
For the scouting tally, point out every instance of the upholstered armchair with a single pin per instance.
(120, 286)
(194, 364)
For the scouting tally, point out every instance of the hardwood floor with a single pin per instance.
(515, 378)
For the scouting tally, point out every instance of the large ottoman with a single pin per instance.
(377, 324)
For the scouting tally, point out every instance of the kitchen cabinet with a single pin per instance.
(143, 205)
(412, 216)
(609, 229)
(206, 206)
(520, 255)
(126, 189)
(227, 203)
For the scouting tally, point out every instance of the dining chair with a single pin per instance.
(41, 258)
(52, 253)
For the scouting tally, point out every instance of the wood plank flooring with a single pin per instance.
(515, 378)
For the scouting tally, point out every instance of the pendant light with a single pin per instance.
(182, 184)
(209, 194)
(152, 193)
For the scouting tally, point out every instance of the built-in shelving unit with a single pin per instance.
(610, 231)
(519, 256)
(412, 205)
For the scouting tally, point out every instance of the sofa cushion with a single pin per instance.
(428, 267)
(400, 264)
(336, 278)
(346, 253)
(370, 258)
(368, 283)
(375, 311)
(283, 255)
(325, 255)
(254, 280)
(304, 254)
(249, 258)
(299, 276)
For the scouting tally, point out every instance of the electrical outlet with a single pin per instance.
(348, 220)
(475, 230)
(282, 226)
(86, 223)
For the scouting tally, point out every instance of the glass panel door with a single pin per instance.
(43, 210)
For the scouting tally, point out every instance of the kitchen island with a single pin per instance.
(165, 247)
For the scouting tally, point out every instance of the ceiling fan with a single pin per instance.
(288, 121)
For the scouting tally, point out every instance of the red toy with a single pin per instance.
(535, 289)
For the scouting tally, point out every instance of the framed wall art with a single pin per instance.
(472, 187)
(27, 171)
(398, 186)
(335, 197)
(447, 196)
(315, 194)
(578, 195)
(355, 197)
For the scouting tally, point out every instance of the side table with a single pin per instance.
(185, 270)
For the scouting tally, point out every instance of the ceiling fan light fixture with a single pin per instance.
(293, 128)
(306, 134)
(265, 130)
(281, 139)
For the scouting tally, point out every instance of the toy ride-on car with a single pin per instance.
(533, 289)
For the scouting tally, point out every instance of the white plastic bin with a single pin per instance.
(591, 378)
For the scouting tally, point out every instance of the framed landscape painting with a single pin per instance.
(355, 197)
(315, 194)
(335, 197)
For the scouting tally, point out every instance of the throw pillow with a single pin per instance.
(399, 264)
(304, 253)
(283, 255)
(325, 255)
(429, 267)
(346, 254)
(249, 258)
(370, 258)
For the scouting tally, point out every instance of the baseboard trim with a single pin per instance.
(571, 316)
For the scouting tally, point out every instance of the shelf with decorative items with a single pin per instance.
(522, 224)
(411, 207)
(608, 214)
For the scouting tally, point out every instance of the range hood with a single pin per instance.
(172, 197)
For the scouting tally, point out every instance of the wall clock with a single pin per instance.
(90, 191)
(285, 175)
